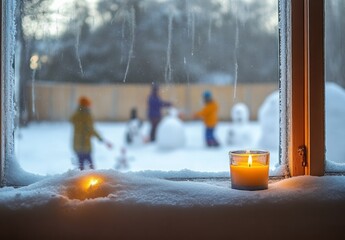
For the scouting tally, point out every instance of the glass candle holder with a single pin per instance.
(249, 169)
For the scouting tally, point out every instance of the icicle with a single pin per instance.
(33, 99)
(193, 31)
(191, 27)
(235, 53)
(77, 49)
(130, 53)
(168, 70)
(209, 29)
(123, 39)
(189, 22)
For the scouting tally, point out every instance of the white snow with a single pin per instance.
(46, 148)
(132, 206)
(171, 132)
(178, 194)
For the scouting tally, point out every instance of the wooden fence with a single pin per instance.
(112, 102)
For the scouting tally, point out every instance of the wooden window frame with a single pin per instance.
(306, 111)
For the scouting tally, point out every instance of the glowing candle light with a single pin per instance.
(249, 170)
(250, 161)
(93, 182)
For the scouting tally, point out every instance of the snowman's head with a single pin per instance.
(173, 112)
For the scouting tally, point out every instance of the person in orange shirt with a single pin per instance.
(209, 114)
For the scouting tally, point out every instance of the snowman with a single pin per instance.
(134, 135)
(335, 118)
(170, 131)
(239, 132)
(268, 117)
(122, 161)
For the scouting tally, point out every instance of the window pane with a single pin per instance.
(335, 85)
(115, 52)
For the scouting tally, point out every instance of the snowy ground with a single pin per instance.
(45, 148)
(145, 205)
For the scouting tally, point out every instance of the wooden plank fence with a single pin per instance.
(112, 102)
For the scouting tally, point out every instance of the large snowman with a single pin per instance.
(170, 131)
(268, 117)
(335, 119)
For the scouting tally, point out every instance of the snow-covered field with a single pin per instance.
(46, 148)
(143, 204)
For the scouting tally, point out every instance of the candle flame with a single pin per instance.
(93, 182)
(250, 161)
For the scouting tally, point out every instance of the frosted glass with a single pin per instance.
(113, 53)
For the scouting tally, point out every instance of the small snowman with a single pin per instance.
(122, 161)
(239, 132)
(170, 131)
(134, 135)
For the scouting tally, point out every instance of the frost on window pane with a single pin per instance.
(335, 85)
(11, 172)
(115, 53)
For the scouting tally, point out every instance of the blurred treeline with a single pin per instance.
(144, 41)
(234, 38)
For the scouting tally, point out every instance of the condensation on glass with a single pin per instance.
(114, 51)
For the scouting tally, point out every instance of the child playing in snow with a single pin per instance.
(83, 131)
(209, 115)
(133, 132)
(155, 105)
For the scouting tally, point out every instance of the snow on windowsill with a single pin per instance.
(134, 205)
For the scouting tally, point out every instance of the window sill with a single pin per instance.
(133, 206)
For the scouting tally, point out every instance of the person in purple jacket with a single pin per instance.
(155, 104)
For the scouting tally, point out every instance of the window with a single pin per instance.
(75, 48)
(306, 109)
(334, 50)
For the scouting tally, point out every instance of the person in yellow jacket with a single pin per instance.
(83, 131)
(209, 114)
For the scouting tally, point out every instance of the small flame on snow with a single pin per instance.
(93, 182)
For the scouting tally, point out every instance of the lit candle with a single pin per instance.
(249, 170)
(92, 183)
